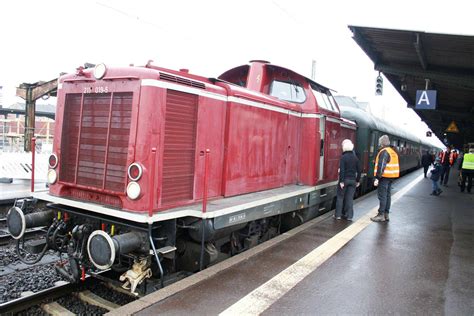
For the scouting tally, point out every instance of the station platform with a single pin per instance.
(18, 189)
(418, 263)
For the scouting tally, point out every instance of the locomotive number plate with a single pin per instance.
(99, 89)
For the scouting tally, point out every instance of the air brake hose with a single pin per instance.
(40, 256)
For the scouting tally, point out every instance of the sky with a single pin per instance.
(40, 39)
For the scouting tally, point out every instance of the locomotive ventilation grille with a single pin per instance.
(95, 135)
(179, 147)
(188, 82)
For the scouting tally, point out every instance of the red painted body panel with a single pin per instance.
(309, 151)
(256, 141)
(291, 161)
(211, 129)
(255, 149)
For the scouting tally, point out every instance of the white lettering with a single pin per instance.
(237, 218)
(424, 98)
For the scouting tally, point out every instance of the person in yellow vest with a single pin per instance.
(466, 165)
(386, 169)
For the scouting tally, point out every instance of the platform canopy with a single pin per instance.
(413, 60)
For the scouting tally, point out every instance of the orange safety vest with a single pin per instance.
(452, 157)
(392, 169)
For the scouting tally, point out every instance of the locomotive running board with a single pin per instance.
(225, 211)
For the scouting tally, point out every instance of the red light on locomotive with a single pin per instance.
(53, 161)
(135, 171)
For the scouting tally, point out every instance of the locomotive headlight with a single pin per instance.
(133, 190)
(52, 176)
(53, 161)
(135, 171)
(99, 71)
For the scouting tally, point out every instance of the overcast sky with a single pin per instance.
(40, 39)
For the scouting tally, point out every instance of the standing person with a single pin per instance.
(426, 161)
(466, 165)
(386, 169)
(349, 179)
(447, 160)
(435, 175)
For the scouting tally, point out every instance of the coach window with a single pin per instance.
(288, 91)
(373, 143)
(396, 144)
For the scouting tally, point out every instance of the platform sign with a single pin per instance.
(425, 99)
(452, 128)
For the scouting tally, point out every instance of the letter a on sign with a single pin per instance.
(452, 128)
(425, 99)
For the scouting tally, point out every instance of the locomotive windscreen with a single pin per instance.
(95, 136)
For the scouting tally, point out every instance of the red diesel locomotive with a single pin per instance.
(139, 150)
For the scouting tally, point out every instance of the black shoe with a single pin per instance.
(439, 192)
(433, 193)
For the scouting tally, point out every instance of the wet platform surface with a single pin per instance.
(418, 263)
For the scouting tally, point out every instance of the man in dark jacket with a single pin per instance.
(426, 161)
(349, 179)
(386, 169)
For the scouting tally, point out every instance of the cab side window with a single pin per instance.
(288, 91)
(325, 100)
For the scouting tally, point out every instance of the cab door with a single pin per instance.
(332, 150)
(322, 147)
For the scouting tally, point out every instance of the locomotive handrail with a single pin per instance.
(79, 80)
(204, 205)
(121, 78)
(33, 151)
(206, 176)
(152, 181)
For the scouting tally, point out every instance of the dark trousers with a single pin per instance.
(384, 194)
(345, 199)
(466, 175)
(425, 169)
(445, 174)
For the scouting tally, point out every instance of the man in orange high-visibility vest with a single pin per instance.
(448, 158)
(386, 169)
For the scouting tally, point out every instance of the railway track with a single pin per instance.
(93, 296)
(6, 238)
